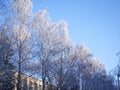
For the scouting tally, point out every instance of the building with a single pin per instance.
(28, 83)
(31, 83)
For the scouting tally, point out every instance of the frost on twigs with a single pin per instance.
(22, 8)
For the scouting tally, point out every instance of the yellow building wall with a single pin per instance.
(35, 84)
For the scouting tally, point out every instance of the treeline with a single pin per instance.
(32, 44)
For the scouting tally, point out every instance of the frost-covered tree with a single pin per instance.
(50, 45)
(6, 67)
(90, 73)
(60, 68)
(60, 63)
(43, 43)
(82, 58)
(21, 48)
(20, 36)
(33, 44)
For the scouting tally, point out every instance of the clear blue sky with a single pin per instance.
(96, 23)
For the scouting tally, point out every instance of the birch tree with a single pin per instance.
(21, 36)
(81, 57)
(6, 67)
(60, 69)
(44, 41)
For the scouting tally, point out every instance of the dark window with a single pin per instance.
(35, 87)
(30, 86)
(24, 84)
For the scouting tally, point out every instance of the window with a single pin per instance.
(24, 84)
(35, 87)
(30, 86)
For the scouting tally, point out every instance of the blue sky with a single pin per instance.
(96, 23)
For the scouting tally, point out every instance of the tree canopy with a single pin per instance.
(32, 44)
